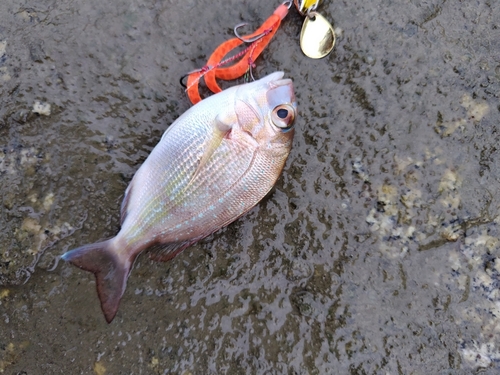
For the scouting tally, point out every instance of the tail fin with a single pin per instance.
(110, 271)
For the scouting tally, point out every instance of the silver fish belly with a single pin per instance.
(212, 165)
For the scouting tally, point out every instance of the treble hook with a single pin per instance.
(251, 65)
(251, 40)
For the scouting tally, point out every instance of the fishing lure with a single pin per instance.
(317, 37)
(317, 40)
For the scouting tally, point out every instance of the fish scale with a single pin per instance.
(194, 197)
(211, 166)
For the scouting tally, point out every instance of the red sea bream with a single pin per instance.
(212, 165)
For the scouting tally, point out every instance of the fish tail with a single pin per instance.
(110, 271)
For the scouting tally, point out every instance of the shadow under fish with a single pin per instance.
(211, 166)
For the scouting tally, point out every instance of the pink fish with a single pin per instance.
(211, 166)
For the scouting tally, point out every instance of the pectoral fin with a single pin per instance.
(221, 128)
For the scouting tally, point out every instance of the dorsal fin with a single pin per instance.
(124, 207)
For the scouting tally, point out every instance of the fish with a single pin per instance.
(210, 167)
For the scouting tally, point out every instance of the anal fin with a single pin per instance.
(165, 252)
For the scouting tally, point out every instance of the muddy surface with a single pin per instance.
(376, 253)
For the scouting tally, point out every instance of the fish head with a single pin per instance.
(266, 110)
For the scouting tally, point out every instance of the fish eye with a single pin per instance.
(283, 116)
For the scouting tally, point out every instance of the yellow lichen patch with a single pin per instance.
(449, 181)
(99, 368)
(402, 163)
(24, 344)
(412, 200)
(387, 193)
(484, 240)
(450, 199)
(449, 127)
(4, 293)
(27, 15)
(475, 110)
(451, 232)
(388, 196)
(4, 74)
(400, 207)
(27, 157)
(31, 225)
(448, 190)
(9, 357)
(48, 201)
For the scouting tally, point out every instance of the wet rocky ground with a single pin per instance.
(376, 253)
